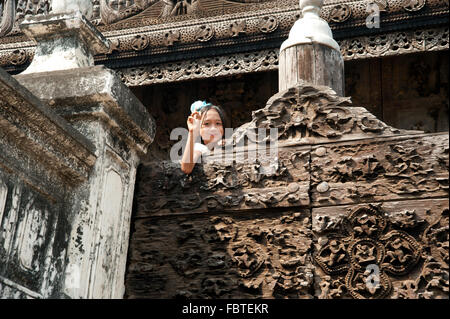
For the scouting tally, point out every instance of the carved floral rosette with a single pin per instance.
(365, 252)
(368, 246)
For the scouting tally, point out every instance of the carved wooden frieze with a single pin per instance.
(201, 68)
(383, 250)
(309, 114)
(218, 185)
(226, 256)
(380, 169)
(264, 60)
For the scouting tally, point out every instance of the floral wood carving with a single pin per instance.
(171, 37)
(366, 240)
(236, 28)
(311, 113)
(268, 24)
(434, 278)
(382, 5)
(271, 256)
(340, 13)
(140, 42)
(414, 5)
(226, 256)
(204, 33)
(19, 57)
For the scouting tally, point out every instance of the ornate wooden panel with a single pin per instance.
(354, 209)
(222, 256)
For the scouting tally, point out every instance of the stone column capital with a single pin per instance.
(65, 41)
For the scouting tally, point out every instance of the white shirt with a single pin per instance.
(202, 148)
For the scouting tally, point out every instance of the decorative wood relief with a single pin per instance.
(414, 5)
(309, 114)
(380, 169)
(394, 252)
(373, 200)
(340, 13)
(215, 186)
(201, 68)
(404, 242)
(224, 256)
(250, 21)
(351, 49)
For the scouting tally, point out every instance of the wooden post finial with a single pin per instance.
(310, 53)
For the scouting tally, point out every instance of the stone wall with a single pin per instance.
(42, 158)
(348, 197)
(68, 158)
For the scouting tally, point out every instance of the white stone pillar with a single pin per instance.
(65, 40)
(95, 102)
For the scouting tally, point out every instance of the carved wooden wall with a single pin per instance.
(345, 192)
(409, 92)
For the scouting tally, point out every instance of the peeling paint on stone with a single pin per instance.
(67, 173)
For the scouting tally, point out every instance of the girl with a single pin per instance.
(207, 122)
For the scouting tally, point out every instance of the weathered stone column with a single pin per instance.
(43, 162)
(310, 53)
(99, 106)
(65, 40)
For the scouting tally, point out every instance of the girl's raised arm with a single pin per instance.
(190, 156)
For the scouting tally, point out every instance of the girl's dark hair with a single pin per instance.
(222, 116)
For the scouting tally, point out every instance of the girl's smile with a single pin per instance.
(211, 129)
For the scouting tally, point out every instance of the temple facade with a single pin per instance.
(227, 51)
(358, 187)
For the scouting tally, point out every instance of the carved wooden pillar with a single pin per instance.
(310, 53)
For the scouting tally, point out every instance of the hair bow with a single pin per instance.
(198, 105)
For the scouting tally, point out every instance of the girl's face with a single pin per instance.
(211, 129)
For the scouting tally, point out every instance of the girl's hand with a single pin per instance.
(193, 123)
